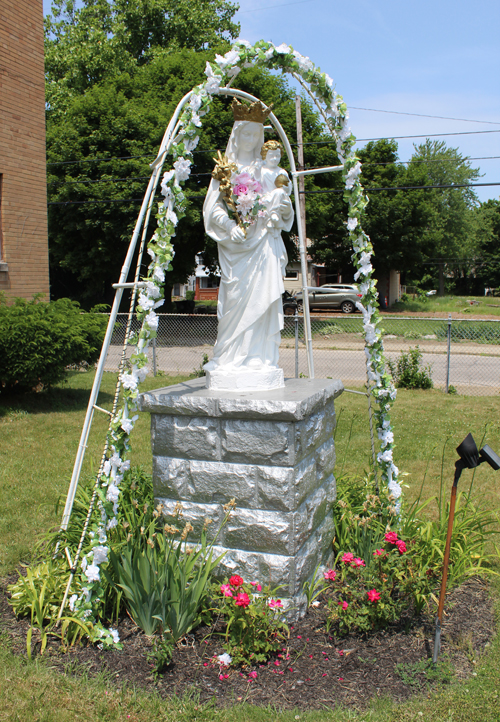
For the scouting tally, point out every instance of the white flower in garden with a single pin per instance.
(353, 175)
(111, 524)
(92, 573)
(182, 169)
(283, 49)
(100, 554)
(115, 635)
(152, 320)
(352, 223)
(129, 381)
(72, 601)
(225, 659)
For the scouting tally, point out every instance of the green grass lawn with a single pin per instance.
(38, 440)
(486, 305)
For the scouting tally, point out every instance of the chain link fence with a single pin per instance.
(464, 354)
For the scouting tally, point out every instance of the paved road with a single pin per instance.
(469, 373)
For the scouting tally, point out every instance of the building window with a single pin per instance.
(209, 282)
(292, 275)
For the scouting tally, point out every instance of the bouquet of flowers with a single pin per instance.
(240, 190)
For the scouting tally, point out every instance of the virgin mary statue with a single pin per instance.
(252, 260)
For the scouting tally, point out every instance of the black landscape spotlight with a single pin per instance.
(470, 457)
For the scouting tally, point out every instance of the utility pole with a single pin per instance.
(300, 156)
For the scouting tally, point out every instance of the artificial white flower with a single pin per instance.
(84, 564)
(233, 72)
(190, 144)
(352, 175)
(304, 62)
(283, 49)
(385, 456)
(370, 333)
(245, 43)
(214, 80)
(269, 52)
(152, 290)
(112, 523)
(92, 573)
(230, 58)
(72, 601)
(113, 493)
(172, 217)
(386, 437)
(144, 302)
(167, 177)
(106, 469)
(127, 425)
(159, 274)
(182, 169)
(352, 223)
(195, 101)
(100, 554)
(225, 659)
(115, 635)
(152, 320)
(129, 381)
(142, 373)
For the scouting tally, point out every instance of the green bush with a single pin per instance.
(407, 372)
(39, 340)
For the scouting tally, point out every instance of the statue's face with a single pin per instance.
(249, 136)
(273, 158)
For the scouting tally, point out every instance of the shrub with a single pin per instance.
(255, 627)
(38, 340)
(408, 373)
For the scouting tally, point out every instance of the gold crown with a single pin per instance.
(256, 112)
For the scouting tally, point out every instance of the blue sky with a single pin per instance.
(439, 58)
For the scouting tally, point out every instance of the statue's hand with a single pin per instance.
(237, 234)
(285, 205)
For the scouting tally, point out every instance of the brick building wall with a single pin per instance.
(24, 262)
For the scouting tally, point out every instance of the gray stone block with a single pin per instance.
(217, 481)
(185, 437)
(325, 458)
(196, 514)
(170, 477)
(257, 530)
(261, 442)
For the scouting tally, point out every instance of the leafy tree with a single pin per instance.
(487, 266)
(451, 237)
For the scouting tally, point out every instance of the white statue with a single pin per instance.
(245, 211)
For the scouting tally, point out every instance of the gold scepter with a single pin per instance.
(224, 169)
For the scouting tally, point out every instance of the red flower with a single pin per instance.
(348, 557)
(330, 574)
(344, 605)
(401, 546)
(378, 553)
(236, 581)
(357, 562)
(373, 595)
(391, 537)
(242, 600)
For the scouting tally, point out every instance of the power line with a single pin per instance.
(422, 115)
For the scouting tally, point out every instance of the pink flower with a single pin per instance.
(378, 553)
(240, 189)
(226, 590)
(344, 605)
(257, 585)
(373, 595)
(256, 186)
(348, 557)
(401, 546)
(330, 574)
(275, 603)
(243, 178)
(252, 675)
(391, 537)
(236, 581)
(242, 600)
(357, 562)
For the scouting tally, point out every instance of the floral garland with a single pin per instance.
(170, 211)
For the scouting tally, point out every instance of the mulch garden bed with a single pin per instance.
(315, 670)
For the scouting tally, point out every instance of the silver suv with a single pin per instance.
(332, 295)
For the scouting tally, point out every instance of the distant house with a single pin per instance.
(205, 284)
(24, 253)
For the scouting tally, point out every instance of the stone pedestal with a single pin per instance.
(273, 452)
